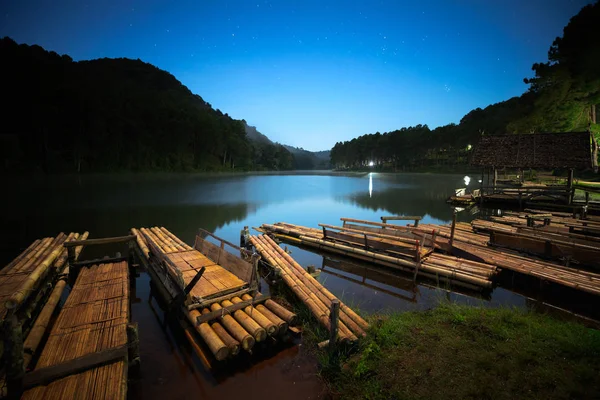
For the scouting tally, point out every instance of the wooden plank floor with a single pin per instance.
(215, 280)
(94, 318)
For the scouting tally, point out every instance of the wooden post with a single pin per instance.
(587, 198)
(570, 187)
(452, 229)
(134, 346)
(481, 183)
(495, 178)
(521, 177)
(334, 314)
(14, 355)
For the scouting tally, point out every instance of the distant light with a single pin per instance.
(371, 163)
(467, 179)
(469, 147)
(480, 181)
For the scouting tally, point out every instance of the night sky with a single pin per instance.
(311, 73)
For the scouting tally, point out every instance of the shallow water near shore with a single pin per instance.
(109, 205)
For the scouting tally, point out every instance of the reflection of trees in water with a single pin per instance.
(410, 200)
(182, 220)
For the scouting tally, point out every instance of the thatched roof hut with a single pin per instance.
(576, 150)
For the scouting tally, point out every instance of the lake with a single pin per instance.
(223, 204)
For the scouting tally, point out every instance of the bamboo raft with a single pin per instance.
(550, 240)
(92, 323)
(310, 291)
(39, 263)
(408, 249)
(214, 291)
(578, 279)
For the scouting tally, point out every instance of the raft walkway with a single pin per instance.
(92, 323)
(469, 254)
(315, 296)
(408, 249)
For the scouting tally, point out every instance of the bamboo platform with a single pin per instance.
(93, 322)
(213, 291)
(545, 235)
(582, 280)
(310, 291)
(405, 248)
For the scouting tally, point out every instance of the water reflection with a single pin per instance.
(109, 205)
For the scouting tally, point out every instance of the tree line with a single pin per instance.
(562, 97)
(115, 114)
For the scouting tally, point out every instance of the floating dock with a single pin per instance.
(90, 345)
(92, 327)
(317, 298)
(213, 290)
(465, 254)
(407, 249)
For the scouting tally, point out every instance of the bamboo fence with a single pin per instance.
(93, 319)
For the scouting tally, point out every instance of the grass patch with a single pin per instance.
(461, 352)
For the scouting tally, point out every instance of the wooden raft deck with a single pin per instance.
(216, 279)
(93, 319)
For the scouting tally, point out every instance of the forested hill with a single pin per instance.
(114, 114)
(562, 97)
(304, 159)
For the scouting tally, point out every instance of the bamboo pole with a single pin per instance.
(247, 322)
(309, 279)
(317, 288)
(234, 345)
(62, 259)
(282, 326)
(21, 256)
(168, 239)
(168, 242)
(30, 259)
(165, 245)
(212, 340)
(312, 298)
(141, 242)
(41, 323)
(317, 308)
(176, 239)
(30, 282)
(257, 316)
(282, 312)
(235, 329)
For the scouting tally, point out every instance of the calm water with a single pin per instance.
(111, 205)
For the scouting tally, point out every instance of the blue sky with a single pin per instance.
(311, 73)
